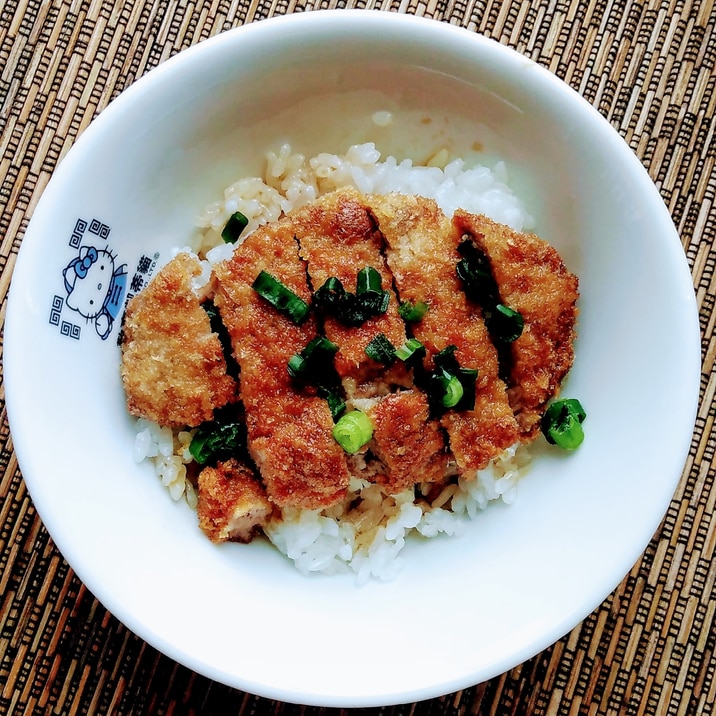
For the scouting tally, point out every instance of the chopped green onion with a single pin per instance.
(313, 359)
(331, 291)
(218, 439)
(446, 360)
(336, 404)
(381, 350)
(412, 312)
(296, 365)
(504, 323)
(562, 423)
(411, 352)
(234, 227)
(282, 298)
(368, 281)
(353, 431)
(372, 304)
(474, 272)
(353, 309)
(468, 381)
(450, 387)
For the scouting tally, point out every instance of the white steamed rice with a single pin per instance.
(366, 539)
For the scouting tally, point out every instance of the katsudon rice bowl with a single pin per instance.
(411, 474)
(394, 129)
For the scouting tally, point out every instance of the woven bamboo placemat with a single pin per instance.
(647, 66)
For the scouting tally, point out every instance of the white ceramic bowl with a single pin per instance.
(464, 609)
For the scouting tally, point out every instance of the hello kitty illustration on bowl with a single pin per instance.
(94, 283)
(95, 287)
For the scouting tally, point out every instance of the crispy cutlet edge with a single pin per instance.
(541, 358)
(412, 447)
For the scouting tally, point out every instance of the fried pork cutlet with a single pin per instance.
(232, 503)
(173, 366)
(406, 441)
(338, 238)
(533, 280)
(289, 427)
(422, 254)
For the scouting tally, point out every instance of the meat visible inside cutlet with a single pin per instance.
(422, 254)
(532, 279)
(289, 427)
(232, 503)
(173, 366)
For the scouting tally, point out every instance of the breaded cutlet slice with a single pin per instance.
(232, 504)
(173, 366)
(407, 442)
(532, 279)
(289, 427)
(422, 255)
(338, 238)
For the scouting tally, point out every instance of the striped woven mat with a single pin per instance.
(647, 66)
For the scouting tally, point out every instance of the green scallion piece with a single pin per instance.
(504, 323)
(353, 309)
(218, 439)
(381, 350)
(446, 359)
(336, 404)
(452, 390)
(234, 227)
(562, 423)
(468, 380)
(353, 431)
(369, 281)
(296, 365)
(411, 351)
(282, 298)
(412, 312)
(444, 389)
(331, 291)
(370, 303)
(473, 270)
(313, 360)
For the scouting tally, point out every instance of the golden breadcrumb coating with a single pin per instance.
(533, 280)
(337, 238)
(173, 366)
(422, 254)
(289, 427)
(409, 445)
(232, 503)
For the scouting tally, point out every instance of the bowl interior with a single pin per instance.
(464, 609)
